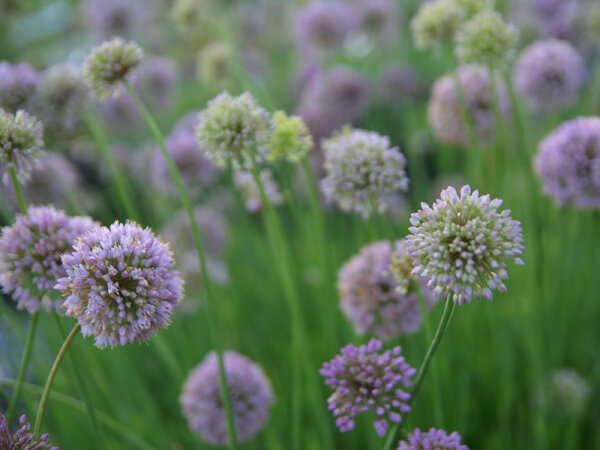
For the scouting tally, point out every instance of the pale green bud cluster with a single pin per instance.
(291, 138)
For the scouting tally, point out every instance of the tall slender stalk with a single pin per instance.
(18, 190)
(206, 282)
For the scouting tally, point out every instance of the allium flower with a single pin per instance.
(21, 144)
(120, 284)
(486, 39)
(399, 84)
(371, 297)
(107, 65)
(435, 22)
(569, 392)
(568, 163)
(549, 74)
(18, 85)
(362, 169)
(366, 379)
(155, 79)
(187, 14)
(30, 255)
(234, 130)
(250, 192)
(250, 393)
(432, 439)
(463, 244)
(120, 111)
(290, 139)
(444, 111)
(23, 439)
(379, 18)
(108, 18)
(214, 62)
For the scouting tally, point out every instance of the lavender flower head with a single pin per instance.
(432, 439)
(549, 74)
(120, 284)
(371, 297)
(366, 379)
(379, 18)
(250, 192)
(362, 170)
(30, 255)
(108, 18)
(21, 144)
(108, 65)
(568, 163)
(444, 113)
(18, 85)
(399, 84)
(155, 78)
(463, 244)
(234, 130)
(23, 439)
(249, 389)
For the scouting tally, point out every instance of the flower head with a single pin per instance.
(569, 392)
(486, 39)
(30, 255)
(23, 439)
(463, 244)
(234, 130)
(399, 84)
(109, 64)
(156, 78)
(21, 144)
(432, 439)
(215, 62)
(290, 139)
(435, 22)
(366, 379)
(250, 393)
(18, 85)
(379, 18)
(250, 192)
(362, 170)
(568, 163)
(549, 74)
(120, 284)
(108, 18)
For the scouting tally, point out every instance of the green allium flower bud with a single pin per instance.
(290, 139)
(435, 22)
(214, 62)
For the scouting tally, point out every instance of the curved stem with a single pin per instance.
(17, 189)
(23, 367)
(206, 282)
(44, 399)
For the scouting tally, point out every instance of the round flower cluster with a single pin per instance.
(371, 297)
(18, 85)
(432, 439)
(214, 62)
(156, 77)
(569, 392)
(435, 23)
(463, 244)
(379, 18)
(250, 192)
(108, 18)
(107, 65)
(568, 163)
(120, 284)
(249, 390)
(366, 379)
(21, 144)
(234, 130)
(23, 439)
(445, 108)
(362, 170)
(30, 255)
(290, 140)
(399, 84)
(549, 74)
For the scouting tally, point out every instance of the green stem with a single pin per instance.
(206, 282)
(23, 367)
(18, 190)
(39, 417)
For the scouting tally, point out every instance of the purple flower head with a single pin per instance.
(18, 85)
(372, 298)
(119, 111)
(568, 163)
(549, 74)
(30, 255)
(23, 439)
(249, 389)
(366, 379)
(362, 171)
(463, 244)
(155, 78)
(250, 193)
(432, 440)
(120, 284)
(379, 18)
(21, 144)
(108, 18)
(399, 84)
(445, 111)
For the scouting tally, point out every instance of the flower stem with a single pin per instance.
(23, 367)
(39, 417)
(18, 190)
(206, 282)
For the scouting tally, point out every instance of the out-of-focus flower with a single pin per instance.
(436, 22)
(463, 244)
(444, 112)
(432, 439)
(379, 18)
(362, 170)
(155, 79)
(21, 144)
(290, 139)
(23, 439)
(108, 18)
(18, 85)
(120, 284)
(249, 390)
(366, 379)
(399, 84)
(109, 64)
(214, 62)
(250, 192)
(120, 111)
(568, 163)
(569, 392)
(30, 255)
(549, 74)
(187, 14)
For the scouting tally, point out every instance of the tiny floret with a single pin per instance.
(23, 439)
(366, 379)
(432, 439)
(463, 243)
(290, 140)
(120, 284)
